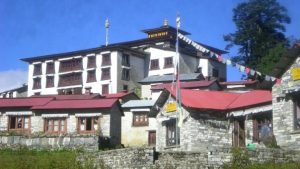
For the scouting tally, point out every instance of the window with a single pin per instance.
(140, 119)
(125, 74)
(50, 68)
(70, 65)
(105, 89)
(91, 62)
(125, 60)
(88, 124)
(106, 60)
(262, 127)
(50, 81)
(297, 113)
(215, 72)
(37, 70)
(55, 125)
(125, 87)
(168, 62)
(105, 74)
(36, 83)
(19, 122)
(91, 76)
(154, 64)
(70, 79)
(171, 133)
(10, 95)
(76, 90)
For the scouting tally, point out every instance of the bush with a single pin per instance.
(24, 158)
(240, 159)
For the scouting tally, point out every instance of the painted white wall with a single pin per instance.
(161, 55)
(133, 136)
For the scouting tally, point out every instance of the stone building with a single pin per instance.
(285, 94)
(62, 116)
(210, 118)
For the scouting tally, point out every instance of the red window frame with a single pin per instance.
(168, 62)
(37, 69)
(86, 125)
(50, 81)
(91, 76)
(50, 68)
(18, 123)
(106, 59)
(105, 89)
(50, 123)
(91, 62)
(36, 83)
(105, 74)
(140, 119)
(70, 65)
(154, 64)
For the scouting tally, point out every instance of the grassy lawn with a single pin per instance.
(44, 159)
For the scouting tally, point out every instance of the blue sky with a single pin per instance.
(31, 28)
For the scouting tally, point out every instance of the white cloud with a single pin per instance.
(11, 79)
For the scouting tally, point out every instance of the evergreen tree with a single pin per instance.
(259, 35)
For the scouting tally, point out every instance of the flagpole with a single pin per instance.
(177, 80)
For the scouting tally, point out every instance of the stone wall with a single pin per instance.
(68, 142)
(287, 136)
(210, 158)
(199, 131)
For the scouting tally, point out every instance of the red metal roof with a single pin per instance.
(24, 102)
(77, 104)
(185, 85)
(70, 97)
(117, 95)
(220, 100)
(251, 98)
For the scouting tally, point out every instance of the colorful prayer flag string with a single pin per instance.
(219, 58)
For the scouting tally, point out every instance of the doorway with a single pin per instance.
(238, 132)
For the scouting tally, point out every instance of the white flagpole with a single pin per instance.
(177, 79)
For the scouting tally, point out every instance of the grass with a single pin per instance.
(23, 158)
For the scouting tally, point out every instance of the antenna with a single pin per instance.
(106, 27)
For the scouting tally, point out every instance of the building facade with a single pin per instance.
(60, 116)
(120, 66)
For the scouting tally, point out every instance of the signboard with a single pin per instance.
(159, 34)
(296, 73)
(170, 107)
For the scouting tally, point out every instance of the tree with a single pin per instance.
(260, 27)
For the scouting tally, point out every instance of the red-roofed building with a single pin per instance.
(76, 117)
(212, 118)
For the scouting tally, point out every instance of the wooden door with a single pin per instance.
(238, 133)
(152, 138)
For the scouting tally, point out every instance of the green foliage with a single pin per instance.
(138, 91)
(24, 158)
(240, 159)
(259, 35)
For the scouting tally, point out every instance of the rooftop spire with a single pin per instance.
(166, 22)
(106, 35)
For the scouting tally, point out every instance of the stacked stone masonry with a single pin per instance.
(212, 158)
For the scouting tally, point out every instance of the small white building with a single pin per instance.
(138, 129)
